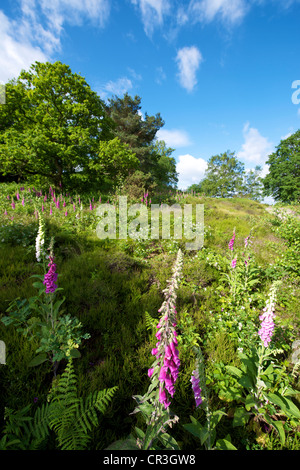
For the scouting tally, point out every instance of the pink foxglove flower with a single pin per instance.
(166, 365)
(50, 277)
(231, 243)
(267, 318)
(233, 263)
(196, 387)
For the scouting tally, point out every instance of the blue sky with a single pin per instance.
(220, 72)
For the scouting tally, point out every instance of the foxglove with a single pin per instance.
(231, 243)
(50, 277)
(267, 318)
(40, 240)
(166, 365)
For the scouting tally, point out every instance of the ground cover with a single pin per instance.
(97, 329)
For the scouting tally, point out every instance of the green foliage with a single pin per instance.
(114, 160)
(25, 432)
(72, 417)
(265, 392)
(108, 287)
(132, 129)
(50, 126)
(223, 176)
(289, 230)
(39, 318)
(283, 180)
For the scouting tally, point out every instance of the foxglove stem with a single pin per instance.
(40, 239)
(267, 318)
(231, 243)
(166, 365)
(50, 277)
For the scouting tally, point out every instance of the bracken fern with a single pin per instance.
(73, 417)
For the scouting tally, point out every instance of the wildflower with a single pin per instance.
(166, 365)
(40, 240)
(18, 196)
(66, 213)
(230, 244)
(267, 318)
(233, 263)
(13, 204)
(23, 201)
(5, 212)
(196, 387)
(50, 210)
(198, 379)
(50, 277)
(246, 241)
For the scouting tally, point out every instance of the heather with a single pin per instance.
(155, 346)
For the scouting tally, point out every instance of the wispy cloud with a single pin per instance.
(188, 60)
(160, 75)
(152, 13)
(228, 11)
(35, 32)
(117, 87)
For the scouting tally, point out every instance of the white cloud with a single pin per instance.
(17, 53)
(228, 11)
(36, 30)
(188, 60)
(117, 87)
(153, 12)
(256, 148)
(190, 170)
(174, 137)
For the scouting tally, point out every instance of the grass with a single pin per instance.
(109, 285)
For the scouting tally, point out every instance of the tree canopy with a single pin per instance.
(135, 130)
(223, 175)
(55, 128)
(51, 125)
(283, 180)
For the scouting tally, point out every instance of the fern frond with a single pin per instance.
(86, 413)
(104, 397)
(150, 321)
(72, 418)
(66, 388)
(39, 427)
